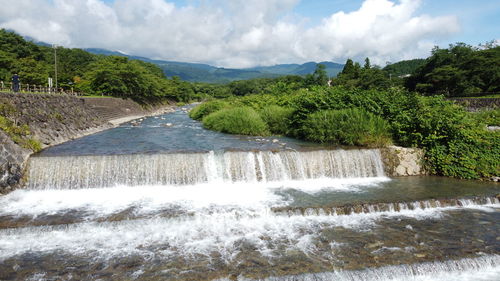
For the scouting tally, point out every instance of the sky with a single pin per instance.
(247, 33)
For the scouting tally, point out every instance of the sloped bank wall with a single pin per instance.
(54, 119)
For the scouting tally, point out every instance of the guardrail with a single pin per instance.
(34, 89)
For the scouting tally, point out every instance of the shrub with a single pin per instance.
(348, 127)
(277, 118)
(237, 120)
(489, 117)
(207, 108)
(19, 134)
(474, 155)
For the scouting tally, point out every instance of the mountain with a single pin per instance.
(300, 69)
(197, 72)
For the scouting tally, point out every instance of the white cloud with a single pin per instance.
(231, 33)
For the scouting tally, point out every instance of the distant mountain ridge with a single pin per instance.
(198, 72)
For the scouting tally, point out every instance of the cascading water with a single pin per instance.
(243, 215)
(196, 168)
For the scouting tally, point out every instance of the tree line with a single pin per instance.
(458, 71)
(88, 73)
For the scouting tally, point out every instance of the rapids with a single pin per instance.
(145, 205)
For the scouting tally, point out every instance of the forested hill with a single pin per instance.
(460, 70)
(88, 73)
(197, 72)
(405, 67)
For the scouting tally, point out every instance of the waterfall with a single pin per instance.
(482, 268)
(387, 207)
(69, 172)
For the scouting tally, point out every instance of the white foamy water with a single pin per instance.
(195, 168)
(484, 268)
(196, 204)
(144, 199)
(201, 233)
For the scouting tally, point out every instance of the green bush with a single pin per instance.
(277, 118)
(475, 155)
(455, 141)
(488, 117)
(19, 134)
(207, 108)
(237, 120)
(352, 126)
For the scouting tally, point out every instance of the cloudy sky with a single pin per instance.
(245, 33)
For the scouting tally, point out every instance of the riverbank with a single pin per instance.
(55, 119)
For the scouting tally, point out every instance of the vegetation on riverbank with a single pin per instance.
(352, 126)
(19, 134)
(364, 105)
(456, 142)
(236, 120)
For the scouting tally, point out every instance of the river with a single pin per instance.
(164, 199)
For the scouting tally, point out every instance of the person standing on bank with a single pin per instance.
(15, 83)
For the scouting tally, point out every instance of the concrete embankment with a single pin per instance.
(54, 119)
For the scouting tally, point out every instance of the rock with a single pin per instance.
(375, 245)
(493, 128)
(401, 161)
(275, 140)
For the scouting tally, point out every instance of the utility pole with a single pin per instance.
(55, 64)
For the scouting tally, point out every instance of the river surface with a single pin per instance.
(168, 133)
(164, 199)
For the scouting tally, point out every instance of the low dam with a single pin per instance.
(163, 199)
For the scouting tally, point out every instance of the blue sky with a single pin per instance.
(245, 33)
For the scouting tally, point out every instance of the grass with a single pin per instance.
(277, 118)
(207, 108)
(237, 120)
(19, 134)
(347, 127)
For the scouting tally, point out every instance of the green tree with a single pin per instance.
(367, 64)
(319, 77)
(460, 70)
(348, 71)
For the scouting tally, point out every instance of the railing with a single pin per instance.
(37, 89)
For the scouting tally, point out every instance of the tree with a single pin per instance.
(367, 64)
(320, 75)
(348, 70)
(460, 70)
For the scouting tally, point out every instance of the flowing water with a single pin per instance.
(149, 201)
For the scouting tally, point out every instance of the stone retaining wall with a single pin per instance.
(477, 104)
(54, 119)
(12, 159)
(401, 161)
